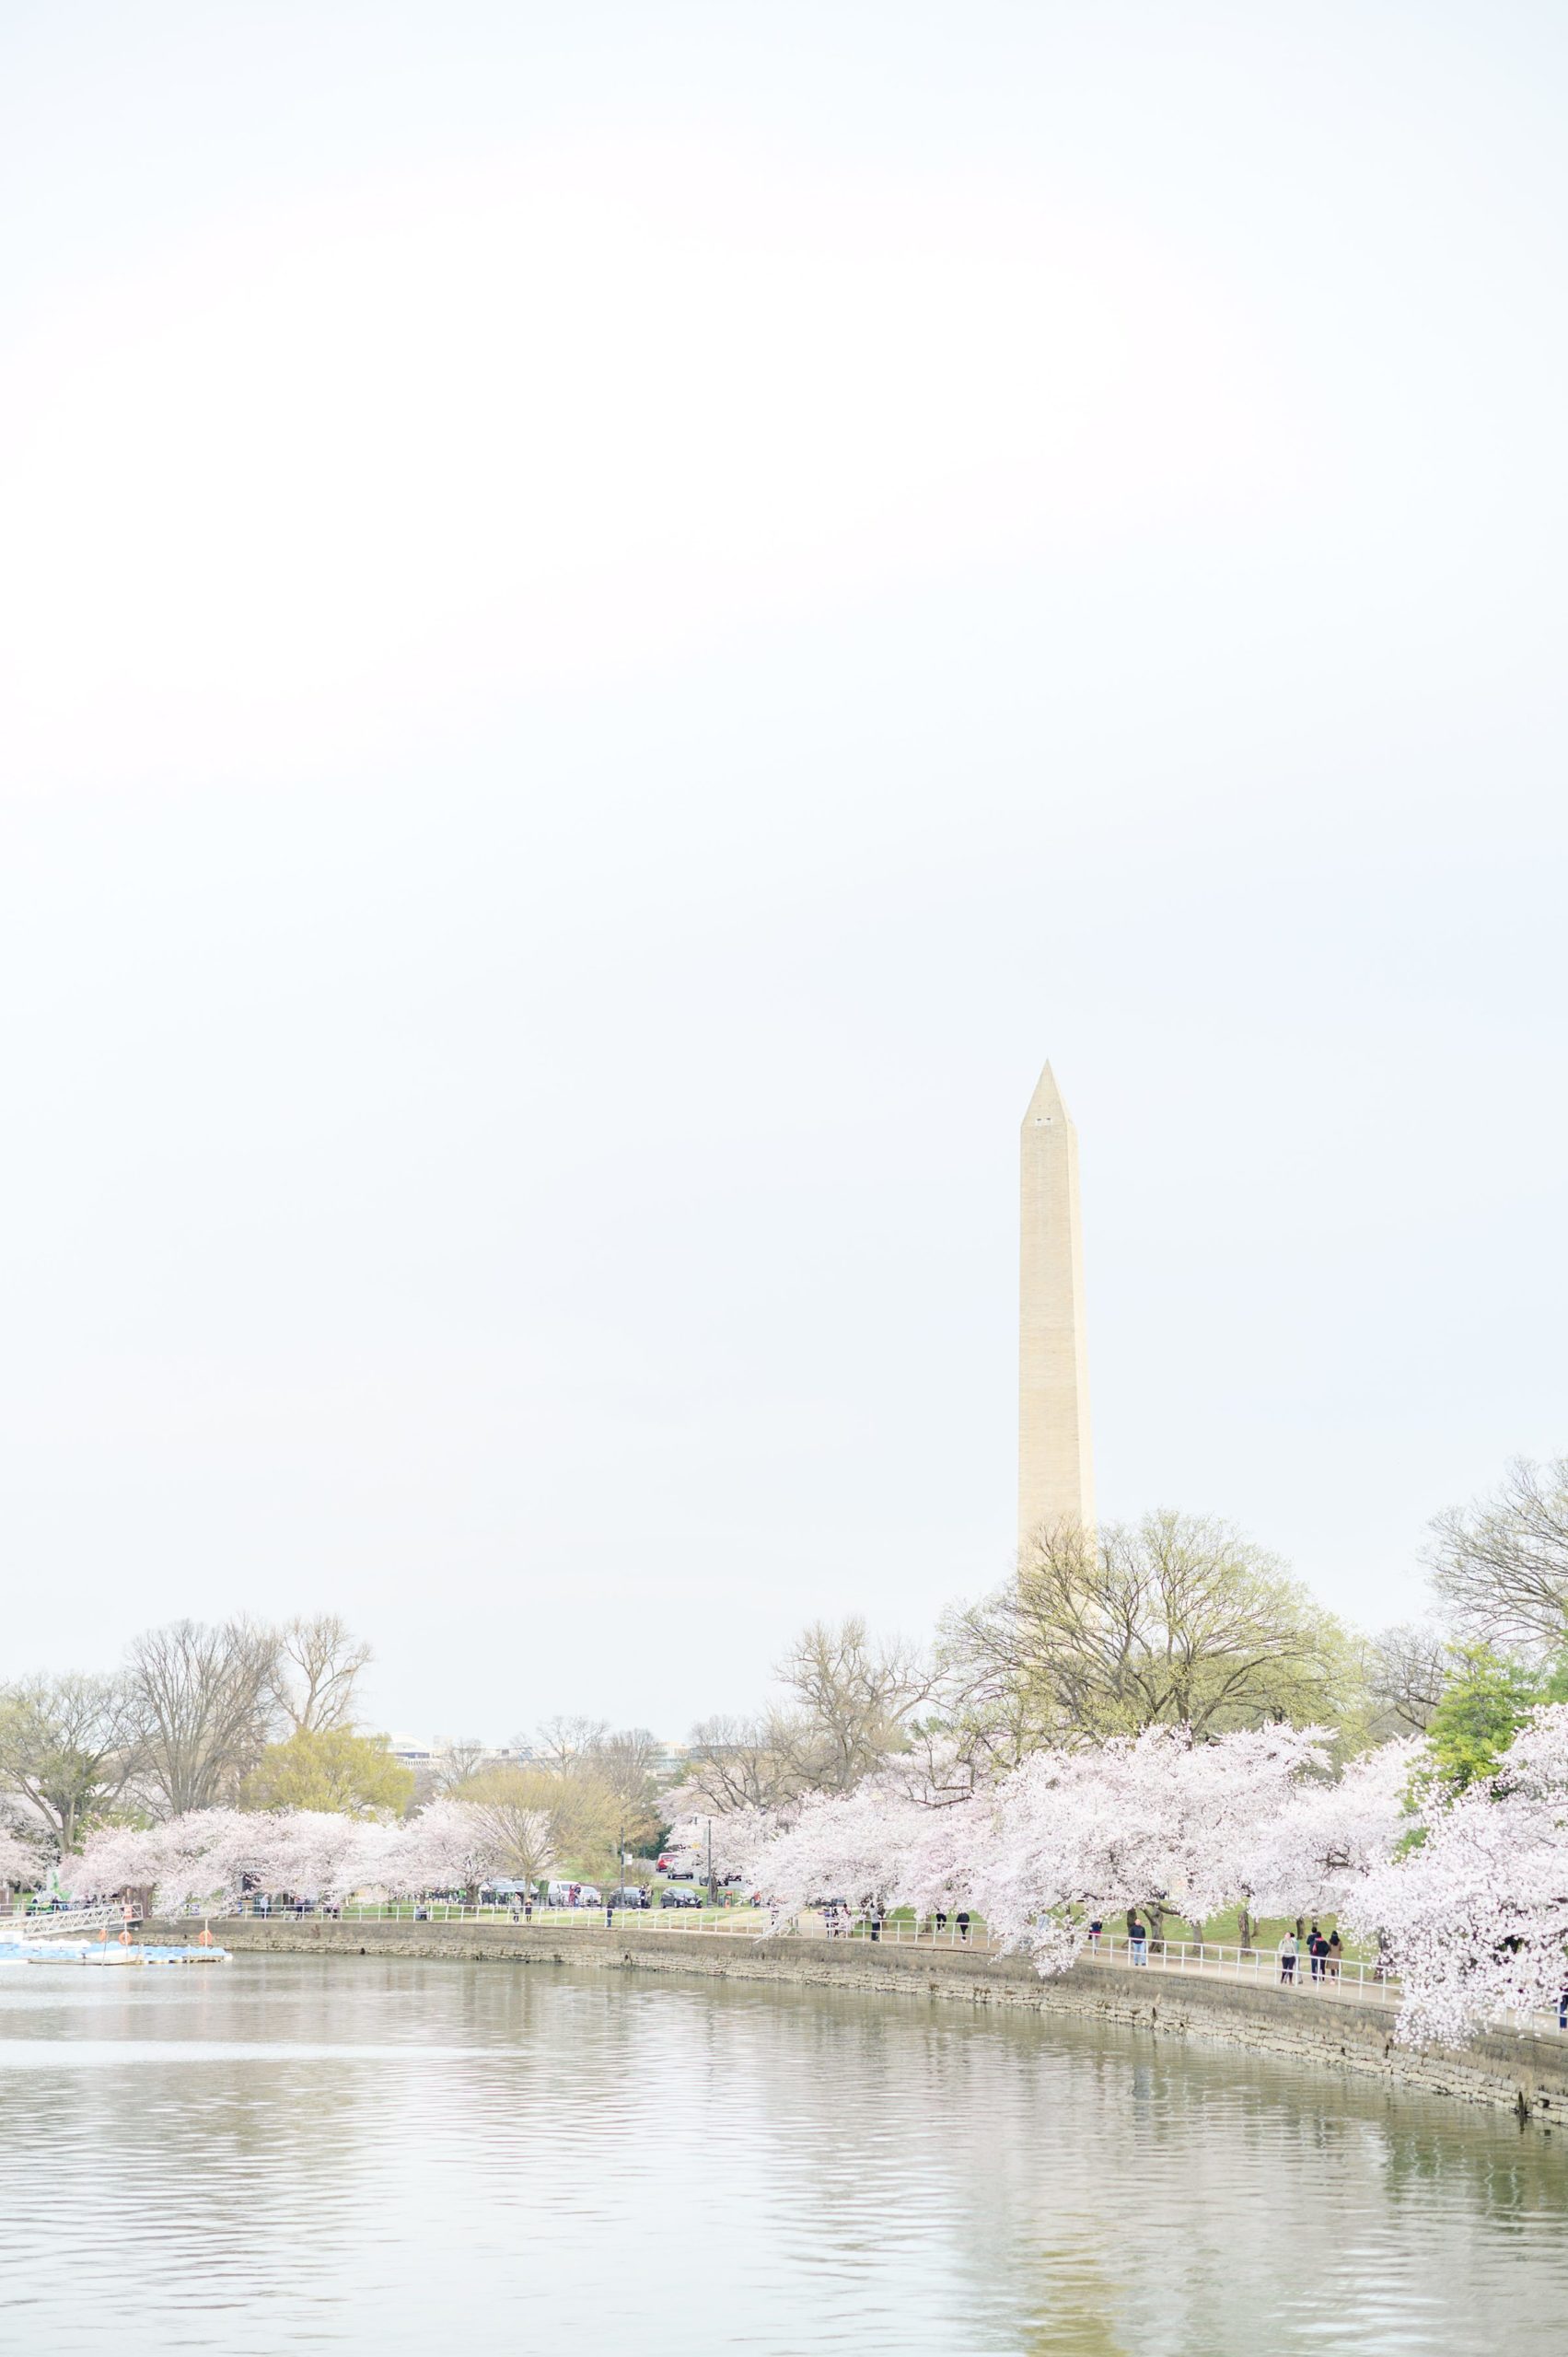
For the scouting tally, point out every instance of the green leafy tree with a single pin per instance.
(1485, 1701)
(1176, 1620)
(67, 1746)
(331, 1768)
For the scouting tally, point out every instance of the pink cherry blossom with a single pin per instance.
(1475, 1918)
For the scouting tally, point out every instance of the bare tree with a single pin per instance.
(520, 1814)
(734, 1763)
(319, 1664)
(851, 1697)
(1500, 1565)
(66, 1748)
(1177, 1620)
(624, 1761)
(566, 1744)
(625, 1757)
(852, 1701)
(1405, 1676)
(200, 1697)
(457, 1764)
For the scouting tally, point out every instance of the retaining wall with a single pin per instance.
(1520, 2072)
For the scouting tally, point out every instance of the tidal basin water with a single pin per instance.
(364, 2155)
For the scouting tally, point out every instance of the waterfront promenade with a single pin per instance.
(1252, 1967)
(1350, 2028)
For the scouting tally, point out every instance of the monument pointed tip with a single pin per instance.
(1047, 1097)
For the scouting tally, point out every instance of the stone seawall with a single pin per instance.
(1523, 2074)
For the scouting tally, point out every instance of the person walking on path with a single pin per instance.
(1138, 1938)
(962, 1920)
(1288, 1950)
(1336, 1952)
(1317, 1949)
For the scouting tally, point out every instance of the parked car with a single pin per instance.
(681, 1895)
(631, 1894)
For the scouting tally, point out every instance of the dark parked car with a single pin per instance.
(631, 1895)
(681, 1895)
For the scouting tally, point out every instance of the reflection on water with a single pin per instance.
(369, 2154)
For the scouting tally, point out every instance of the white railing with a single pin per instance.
(736, 1921)
(1302, 1975)
(1334, 1975)
(72, 1923)
(888, 1931)
(441, 1911)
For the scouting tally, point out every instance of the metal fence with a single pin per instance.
(1316, 1978)
(71, 1923)
(746, 1920)
(1313, 1975)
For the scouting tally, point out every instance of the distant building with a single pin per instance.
(431, 1758)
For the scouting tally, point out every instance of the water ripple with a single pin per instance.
(373, 2154)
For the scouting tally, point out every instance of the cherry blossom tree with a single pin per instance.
(1475, 1920)
(18, 1860)
(448, 1846)
(849, 1845)
(1097, 1828)
(113, 1859)
(318, 1854)
(1329, 1832)
(946, 1851)
(216, 1853)
(728, 1839)
(211, 1856)
(1154, 1822)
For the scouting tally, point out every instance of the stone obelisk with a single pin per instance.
(1056, 1481)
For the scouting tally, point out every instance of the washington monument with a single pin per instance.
(1056, 1479)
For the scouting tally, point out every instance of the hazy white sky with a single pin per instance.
(614, 621)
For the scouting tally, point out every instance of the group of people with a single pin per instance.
(839, 1920)
(1322, 1955)
(271, 1902)
(1137, 1937)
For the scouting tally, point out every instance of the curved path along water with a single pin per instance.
(399, 2155)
